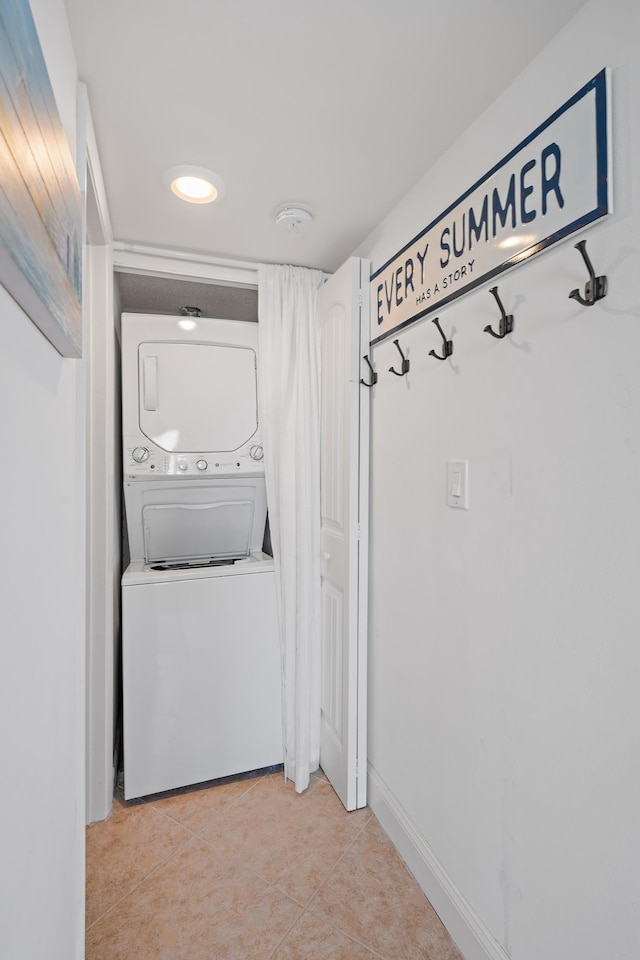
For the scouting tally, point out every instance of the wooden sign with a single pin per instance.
(552, 184)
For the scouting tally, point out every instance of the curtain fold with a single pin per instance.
(289, 378)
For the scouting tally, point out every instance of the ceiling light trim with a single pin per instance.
(198, 175)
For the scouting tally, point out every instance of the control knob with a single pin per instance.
(256, 452)
(140, 454)
(202, 464)
(182, 465)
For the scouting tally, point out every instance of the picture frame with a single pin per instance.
(41, 215)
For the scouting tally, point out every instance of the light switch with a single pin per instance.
(457, 484)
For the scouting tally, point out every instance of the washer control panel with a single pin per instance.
(144, 459)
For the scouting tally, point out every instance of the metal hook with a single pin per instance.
(506, 321)
(405, 363)
(448, 344)
(596, 287)
(374, 375)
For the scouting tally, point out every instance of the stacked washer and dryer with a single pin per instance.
(201, 662)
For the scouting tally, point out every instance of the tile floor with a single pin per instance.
(245, 869)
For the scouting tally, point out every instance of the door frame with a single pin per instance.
(102, 516)
(364, 485)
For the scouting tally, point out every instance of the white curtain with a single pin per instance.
(289, 368)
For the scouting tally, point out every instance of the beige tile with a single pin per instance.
(372, 897)
(291, 840)
(313, 939)
(195, 809)
(197, 906)
(123, 849)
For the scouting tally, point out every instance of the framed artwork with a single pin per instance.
(40, 200)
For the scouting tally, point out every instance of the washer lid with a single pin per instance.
(186, 519)
(189, 531)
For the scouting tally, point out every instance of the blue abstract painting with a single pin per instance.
(40, 201)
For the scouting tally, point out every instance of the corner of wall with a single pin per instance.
(470, 935)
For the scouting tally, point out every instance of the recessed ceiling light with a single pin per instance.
(194, 184)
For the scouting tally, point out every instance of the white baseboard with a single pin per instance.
(470, 935)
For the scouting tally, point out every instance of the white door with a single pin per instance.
(344, 454)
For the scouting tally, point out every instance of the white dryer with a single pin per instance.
(189, 397)
(201, 661)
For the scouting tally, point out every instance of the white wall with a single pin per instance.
(42, 603)
(505, 641)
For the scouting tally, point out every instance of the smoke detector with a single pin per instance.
(293, 217)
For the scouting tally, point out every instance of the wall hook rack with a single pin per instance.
(596, 287)
(448, 344)
(405, 363)
(374, 376)
(506, 320)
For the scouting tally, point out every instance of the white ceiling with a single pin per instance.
(338, 104)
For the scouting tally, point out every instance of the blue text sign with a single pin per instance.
(552, 184)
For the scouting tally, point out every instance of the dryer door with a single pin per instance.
(197, 397)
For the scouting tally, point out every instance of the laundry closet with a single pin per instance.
(200, 647)
(205, 681)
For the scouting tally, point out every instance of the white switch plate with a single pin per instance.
(458, 484)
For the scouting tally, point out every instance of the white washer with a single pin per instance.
(201, 660)
(201, 674)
